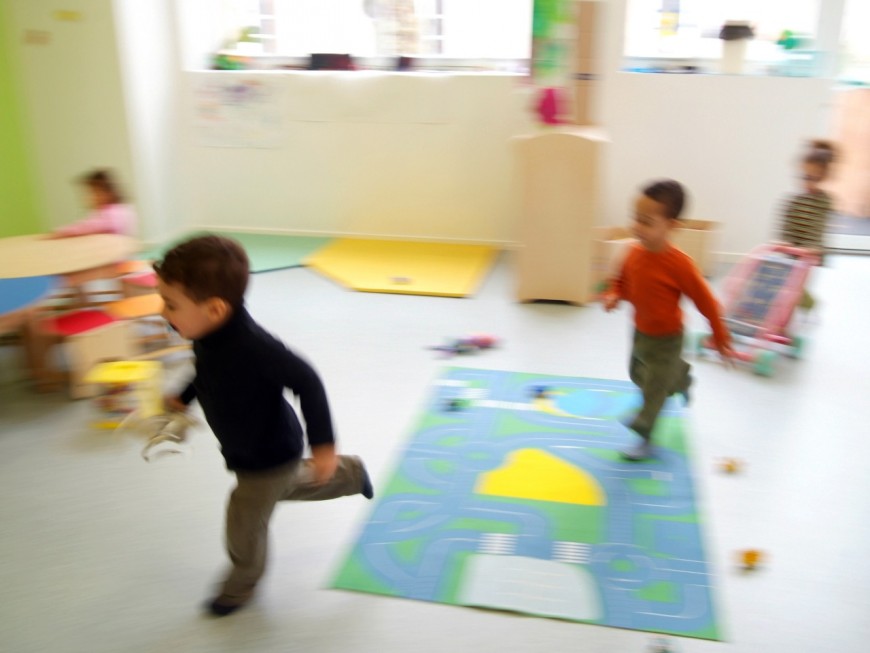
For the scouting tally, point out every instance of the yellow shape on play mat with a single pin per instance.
(538, 475)
(404, 267)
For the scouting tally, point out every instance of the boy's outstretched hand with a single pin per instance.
(323, 462)
(610, 301)
(728, 354)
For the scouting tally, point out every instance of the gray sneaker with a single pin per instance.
(641, 451)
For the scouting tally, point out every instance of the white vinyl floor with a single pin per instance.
(101, 552)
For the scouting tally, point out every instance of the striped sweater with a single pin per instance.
(805, 218)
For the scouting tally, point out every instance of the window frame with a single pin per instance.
(257, 58)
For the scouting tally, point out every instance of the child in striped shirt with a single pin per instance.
(805, 217)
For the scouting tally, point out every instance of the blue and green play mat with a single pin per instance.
(511, 495)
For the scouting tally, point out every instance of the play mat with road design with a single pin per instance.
(511, 495)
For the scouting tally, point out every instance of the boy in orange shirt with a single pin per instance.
(653, 277)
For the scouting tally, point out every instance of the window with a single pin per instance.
(253, 24)
(689, 29)
(441, 29)
(855, 52)
(430, 17)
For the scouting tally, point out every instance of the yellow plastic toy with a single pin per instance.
(751, 558)
(124, 388)
(730, 465)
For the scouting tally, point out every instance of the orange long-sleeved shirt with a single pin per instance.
(654, 282)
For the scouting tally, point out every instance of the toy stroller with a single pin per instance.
(166, 432)
(761, 295)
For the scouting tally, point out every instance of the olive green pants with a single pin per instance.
(250, 508)
(658, 369)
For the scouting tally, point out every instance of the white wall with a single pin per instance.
(419, 156)
(72, 96)
(732, 140)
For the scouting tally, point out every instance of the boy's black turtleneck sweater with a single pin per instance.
(241, 373)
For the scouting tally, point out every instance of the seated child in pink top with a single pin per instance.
(109, 214)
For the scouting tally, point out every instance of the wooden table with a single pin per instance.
(76, 260)
(37, 255)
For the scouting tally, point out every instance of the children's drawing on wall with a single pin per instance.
(238, 111)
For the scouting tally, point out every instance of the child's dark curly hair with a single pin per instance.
(207, 266)
(104, 180)
(668, 193)
(821, 153)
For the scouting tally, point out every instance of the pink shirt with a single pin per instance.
(112, 219)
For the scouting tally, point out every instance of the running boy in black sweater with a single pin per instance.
(241, 374)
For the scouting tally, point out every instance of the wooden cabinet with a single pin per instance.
(558, 178)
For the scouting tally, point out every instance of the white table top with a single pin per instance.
(36, 255)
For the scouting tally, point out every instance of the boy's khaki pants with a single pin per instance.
(658, 369)
(250, 508)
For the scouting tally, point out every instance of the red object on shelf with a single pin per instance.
(549, 107)
(76, 322)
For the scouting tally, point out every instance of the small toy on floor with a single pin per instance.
(468, 345)
(166, 433)
(455, 405)
(730, 465)
(541, 392)
(750, 559)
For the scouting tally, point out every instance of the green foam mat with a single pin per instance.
(266, 251)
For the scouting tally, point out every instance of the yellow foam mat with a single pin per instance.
(409, 268)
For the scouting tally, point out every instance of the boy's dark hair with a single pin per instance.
(206, 267)
(821, 153)
(668, 193)
(104, 181)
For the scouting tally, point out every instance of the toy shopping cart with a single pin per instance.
(761, 295)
